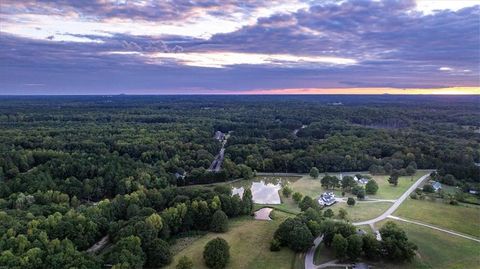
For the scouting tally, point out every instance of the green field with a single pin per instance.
(249, 242)
(362, 210)
(459, 218)
(388, 191)
(439, 250)
(312, 187)
(435, 250)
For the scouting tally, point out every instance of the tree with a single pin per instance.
(371, 247)
(395, 243)
(154, 221)
(247, 202)
(428, 188)
(127, 251)
(371, 187)
(297, 197)
(410, 170)
(340, 245)
(314, 173)
(301, 238)
(328, 213)
(354, 249)
(361, 194)
(393, 179)
(307, 202)
(184, 263)
(348, 183)
(158, 253)
(216, 253)
(350, 201)
(286, 191)
(219, 222)
(342, 213)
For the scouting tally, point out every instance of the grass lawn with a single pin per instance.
(435, 250)
(249, 242)
(459, 218)
(312, 187)
(362, 211)
(388, 191)
(439, 250)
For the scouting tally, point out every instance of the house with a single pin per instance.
(361, 180)
(327, 199)
(436, 185)
(219, 135)
(178, 175)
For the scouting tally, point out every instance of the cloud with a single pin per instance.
(228, 46)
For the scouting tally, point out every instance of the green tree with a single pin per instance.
(301, 238)
(307, 202)
(154, 221)
(286, 191)
(328, 213)
(348, 183)
(354, 249)
(393, 179)
(184, 263)
(216, 253)
(395, 243)
(371, 187)
(340, 245)
(158, 253)
(428, 188)
(219, 222)
(297, 197)
(127, 251)
(350, 201)
(361, 193)
(371, 247)
(314, 173)
(342, 213)
(247, 202)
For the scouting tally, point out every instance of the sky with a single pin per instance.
(239, 47)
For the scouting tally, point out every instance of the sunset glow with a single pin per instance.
(239, 47)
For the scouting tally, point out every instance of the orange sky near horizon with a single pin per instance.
(446, 91)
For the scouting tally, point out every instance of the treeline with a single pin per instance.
(50, 229)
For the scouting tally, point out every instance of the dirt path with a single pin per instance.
(436, 228)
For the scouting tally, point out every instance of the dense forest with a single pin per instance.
(75, 169)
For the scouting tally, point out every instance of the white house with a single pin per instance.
(327, 199)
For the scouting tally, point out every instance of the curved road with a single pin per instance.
(395, 205)
(311, 252)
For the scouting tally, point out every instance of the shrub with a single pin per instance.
(350, 201)
(219, 222)
(184, 263)
(275, 245)
(216, 253)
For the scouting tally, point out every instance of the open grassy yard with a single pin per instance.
(249, 242)
(435, 250)
(388, 191)
(362, 211)
(439, 250)
(459, 218)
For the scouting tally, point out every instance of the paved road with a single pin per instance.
(396, 204)
(99, 245)
(436, 228)
(311, 253)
